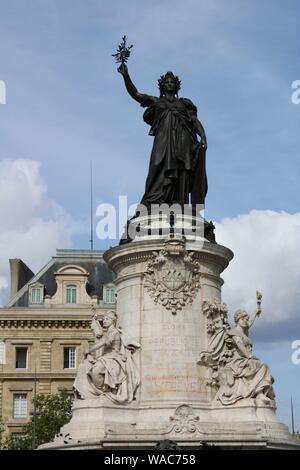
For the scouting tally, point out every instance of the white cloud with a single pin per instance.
(32, 225)
(267, 258)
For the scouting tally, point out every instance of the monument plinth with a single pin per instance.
(169, 303)
(161, 287)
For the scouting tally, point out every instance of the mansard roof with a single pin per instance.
(90, 261)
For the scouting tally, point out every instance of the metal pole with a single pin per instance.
(292, 413)
(34, 412)
(91, 201)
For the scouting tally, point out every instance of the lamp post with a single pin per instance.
(34, 412)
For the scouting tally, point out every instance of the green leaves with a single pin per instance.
(52, 412)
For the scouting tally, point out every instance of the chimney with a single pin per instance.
(20, 274)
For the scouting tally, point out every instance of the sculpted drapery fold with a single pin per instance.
(177, 170)
(112, 373)
(236, 373)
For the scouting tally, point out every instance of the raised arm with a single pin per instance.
(130, 87)
(256, 314)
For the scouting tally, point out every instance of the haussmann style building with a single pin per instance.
(45, 328)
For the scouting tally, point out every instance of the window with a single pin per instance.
(109, 295)
(21, 358)
(2, 352)
(20, 405)
(36, 295)
(71, 294)
(70, 358)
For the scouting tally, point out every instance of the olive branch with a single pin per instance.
(123, 52)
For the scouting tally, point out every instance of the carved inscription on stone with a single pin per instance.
(174, 383)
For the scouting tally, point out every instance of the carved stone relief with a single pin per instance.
(172, 276)
(236, 373)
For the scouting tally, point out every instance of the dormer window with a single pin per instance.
(71, 294)
(71, 283)
(109, 294)
(36, 294)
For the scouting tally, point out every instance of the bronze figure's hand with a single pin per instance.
(204, 143)
(123, 69)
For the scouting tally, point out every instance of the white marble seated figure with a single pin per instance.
(236, 373)
(112, 371)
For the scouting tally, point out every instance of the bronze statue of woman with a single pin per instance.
(177, 171)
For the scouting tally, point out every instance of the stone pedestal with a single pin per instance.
(165, 320)
(161, 287)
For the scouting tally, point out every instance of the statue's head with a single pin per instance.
(109, 318)
(241, 316)
(169, 82)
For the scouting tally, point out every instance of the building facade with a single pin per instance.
(45, 328)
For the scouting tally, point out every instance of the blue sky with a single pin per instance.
(66, 105)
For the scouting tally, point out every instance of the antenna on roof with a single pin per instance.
(92, 221)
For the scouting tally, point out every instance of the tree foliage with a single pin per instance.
(52, 412)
